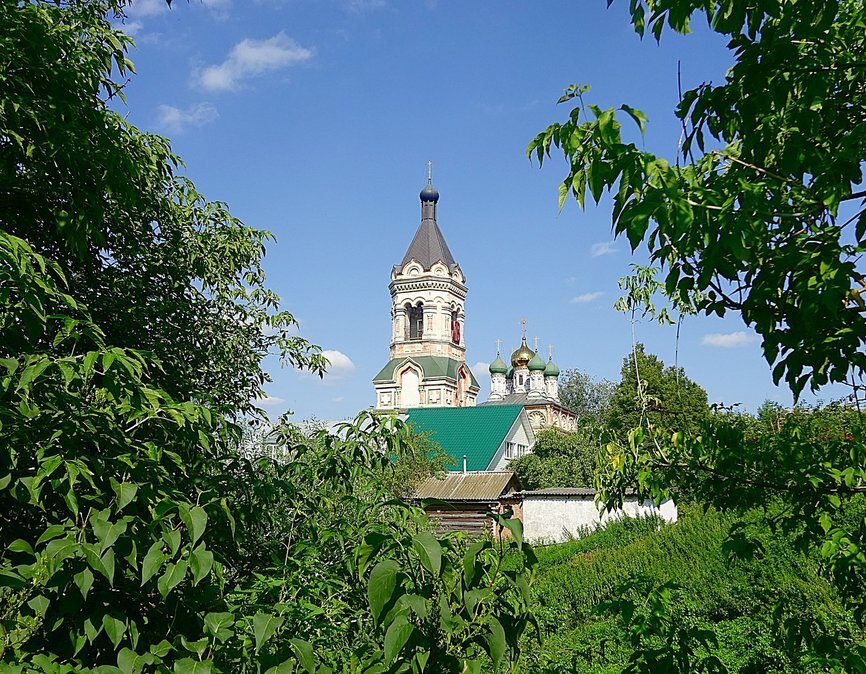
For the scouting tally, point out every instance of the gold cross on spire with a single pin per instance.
(498, 344)
(523, 324)
(550, 351)
(536, 342)
(429, 171)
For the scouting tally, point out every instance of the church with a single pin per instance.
(427, 366)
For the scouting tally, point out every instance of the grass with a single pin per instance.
(734, 598)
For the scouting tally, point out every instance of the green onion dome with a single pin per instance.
(551, 370)
(510, 373)
(537, 363)
(498, 366)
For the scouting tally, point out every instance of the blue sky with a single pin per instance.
(314, 119)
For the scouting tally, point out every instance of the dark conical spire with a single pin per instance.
(428, 246)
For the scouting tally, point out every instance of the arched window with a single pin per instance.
(455, 328)
(415, 316)
(410, 394)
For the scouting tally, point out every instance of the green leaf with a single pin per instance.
(152, 561)
(495, 639)
(20, 545)
(304, 652)
(170, 578)
(84, 581)
(108, 532)
(429, 551)
(515, 526)
(195, 521)
(114, 628)
(218, 624)
(124, 491)
(469, 561)
(39, 604)
(264, 626)
(396, 636)
(381, 584)
(161, 649)
(200, 562)
(639, 118)
(190, 666)
(198, 646)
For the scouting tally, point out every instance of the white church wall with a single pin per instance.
(552, 518)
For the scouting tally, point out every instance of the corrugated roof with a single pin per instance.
(476, 432)
(567, 491)
(469, 486)
(431, 367)
(560, 491)
(428, 246)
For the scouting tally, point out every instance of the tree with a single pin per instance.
(761, 213)
(134, 318)
(650, 393)
(588, 397)
(422, 458)
(559, 459)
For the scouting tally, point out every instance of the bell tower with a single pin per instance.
(427, 366)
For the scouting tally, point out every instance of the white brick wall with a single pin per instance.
(555, 518)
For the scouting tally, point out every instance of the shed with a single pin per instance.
(556, 514)
(463, 500)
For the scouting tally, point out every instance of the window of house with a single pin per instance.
(514, 450)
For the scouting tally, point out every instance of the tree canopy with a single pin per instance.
(761, 213)
(559, 459)
(650, 393)
(134, 319)
(588, 397)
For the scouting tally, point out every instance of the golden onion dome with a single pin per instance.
(522, 356)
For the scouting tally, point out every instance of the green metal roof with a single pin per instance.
(476, 432)
(431, 366)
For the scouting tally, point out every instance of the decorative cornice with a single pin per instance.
(427, 283)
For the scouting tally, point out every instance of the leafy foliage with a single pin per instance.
(589, 398)
(133, 322)
(761, 213)
(559, 459)
(750, 217)
(650, 393)
(638, 589)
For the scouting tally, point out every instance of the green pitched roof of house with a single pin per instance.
(433, 367)
(476, 432)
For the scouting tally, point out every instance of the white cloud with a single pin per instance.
(269, 401)
(586, 298)
(602, 248)
(130, 27)
(147, 7)
(341, 365)
(252, 58)
(480, 369)
(177, 119)
(730, 340)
